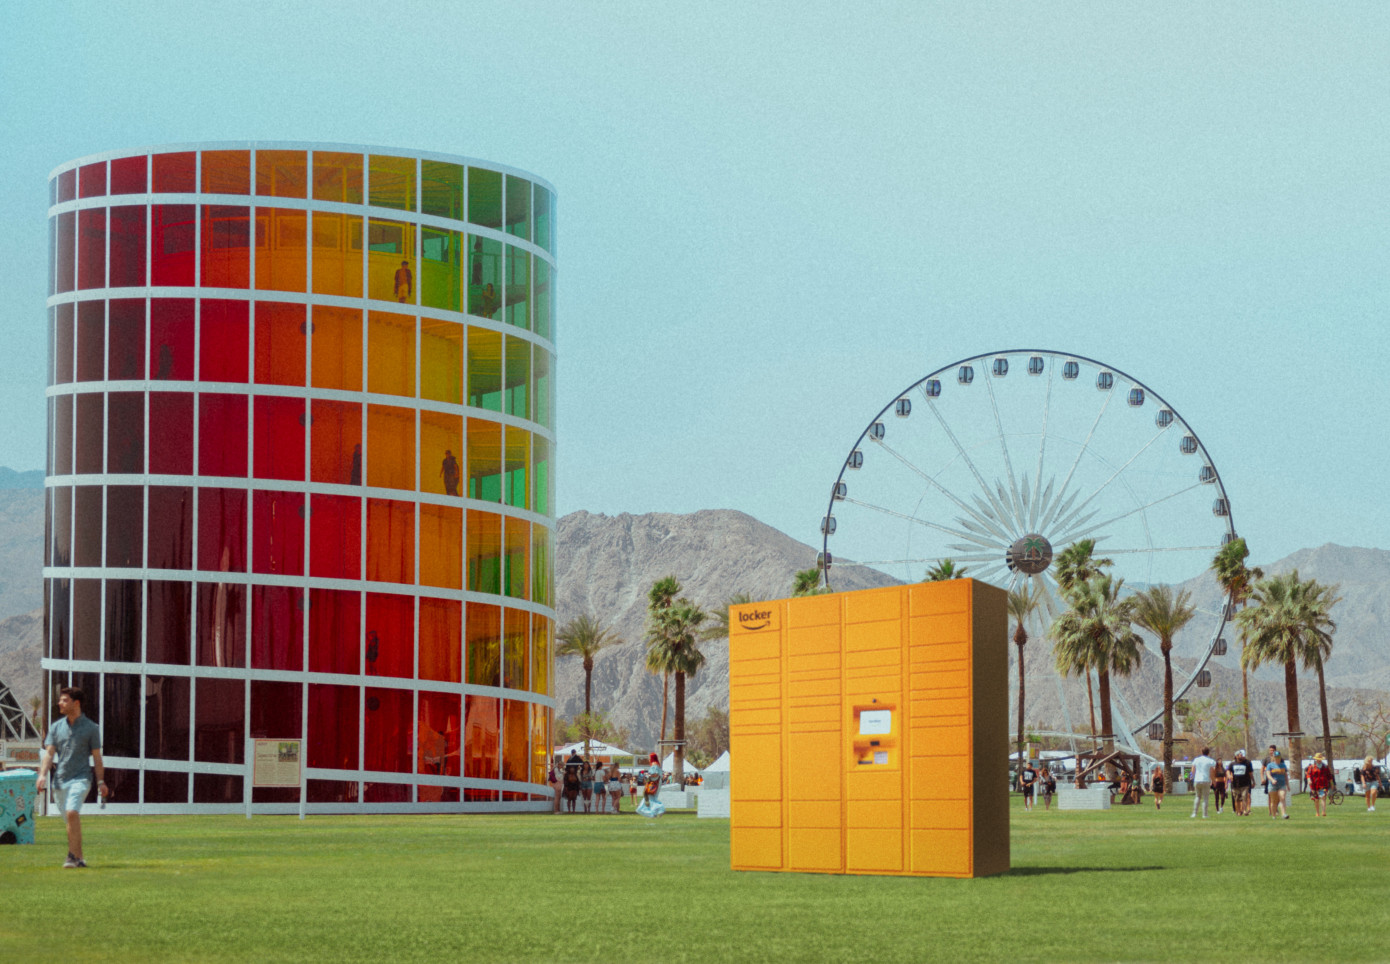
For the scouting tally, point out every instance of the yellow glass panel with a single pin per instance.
(540, 654)
(516, 566)
(516, 483)
(337, 177)
(485, 369)
(391, 182)
(441, 546)
(391, 268)
(483, 638)
(484, 460)
(337, 341)
(391, 354)
(542, 565)
(280, 253)
(390, 447)
(337, 255)
(280, 173)
(441, 361)
(516, 645)
(540, 739)
(441, 453)
(516, 384)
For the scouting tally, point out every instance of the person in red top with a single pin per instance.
(1319, 777)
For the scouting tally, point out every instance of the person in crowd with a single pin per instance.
(651, 806)
(1264, 773)
(615, 789)
(571, 787)
(1242, 783)
(76, 742)
(1278, 774)
(600, 788)
(1157, 786)
(1218, 785)
(1202, 768)
(632, 781)
(1319, 777)
(586, 786)
(553, 778)
(1049, 787)
(1027, 780)
(1369, 775)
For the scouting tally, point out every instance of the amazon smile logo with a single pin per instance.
(755, 619)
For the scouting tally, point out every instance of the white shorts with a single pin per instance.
(72, 793)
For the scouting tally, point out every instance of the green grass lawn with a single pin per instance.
(1128, 884)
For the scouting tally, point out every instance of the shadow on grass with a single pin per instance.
(1039, 871)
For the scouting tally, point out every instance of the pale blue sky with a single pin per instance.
(773, 217)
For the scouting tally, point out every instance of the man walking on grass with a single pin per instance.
(1201, 780)
(73, 738)
(1242, 782)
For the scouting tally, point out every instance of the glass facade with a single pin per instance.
(299, 474)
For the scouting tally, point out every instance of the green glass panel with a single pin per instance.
(540, 392)
(441, 189)
(440, 259)
(485, 197)
(391, 182)
(540, 565)
(545, 219)
(542, 298)
(484, 276)
(519, 207)
(518, 311)
(516, 385)
(540, 474)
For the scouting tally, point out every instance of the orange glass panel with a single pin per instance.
(516, 740)
(441, 546)
(280, 344)
(542, 565)
(280, 173)
(337, 255)
(441, 438)
(337, 177)
(335, 442)
(175, 173)
(540, 654)
(516, 483)
(516, 569)
(391, 353)
(441, 638)
(390, 447)
(226, 172)
(280, 255)
(484, 460)
(484, 637)
(391, 261)
(481, 739)
(440, 737)
(441, 361)
(390, 541)
(516, 645)
(540, 743)
(337, 348)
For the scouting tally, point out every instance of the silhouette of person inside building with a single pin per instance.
(355, 473)
(449, 469)
(405, 282)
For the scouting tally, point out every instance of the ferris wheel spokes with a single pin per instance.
(983, 521)
(1081, 534)
(1079, 454)
(1004, 448)
(920, 521)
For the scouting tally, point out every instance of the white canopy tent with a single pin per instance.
(669, 764)
(720, 765)
(593, 748)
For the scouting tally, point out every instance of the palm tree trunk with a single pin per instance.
(1091, 702)
(678, 765)
(1020, 707)
(1326, 726)
(1245, 699)
(1103, 684)
(1291, 709)
(1167, 715)
(588, 686)
(665, 692)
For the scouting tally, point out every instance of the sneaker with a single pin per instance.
(81, 862)
(70, 862)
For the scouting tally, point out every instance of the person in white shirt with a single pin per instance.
(1202, 768)
(601, 787)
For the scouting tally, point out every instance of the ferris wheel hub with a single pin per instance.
(1030, 555)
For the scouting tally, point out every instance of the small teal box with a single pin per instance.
(17, 795)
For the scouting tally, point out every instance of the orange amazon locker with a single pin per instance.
(869, 732)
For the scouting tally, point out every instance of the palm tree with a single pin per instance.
(1163, 614)
(945, 569)
(1075, 565)
(1095, 633)
(1022, 604)
(806, 582)
(719, 628)
(584, 636)
(1236, 578)
(1277, 629)
(672, 642)
(1317, 646)
(659, 598)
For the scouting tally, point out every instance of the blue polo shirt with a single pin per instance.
(75, 743)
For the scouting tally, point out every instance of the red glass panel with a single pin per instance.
(390, 642)
(279, 438)
(335, 631)
(335, 453)
(171, 433)
(278, 527)
(439, 737)
(86, 620)
(175, 173)
(483, 633)
(482, 723)
(226, 172)
(62, 435)
(276, 711)
(64, 344)
(333, 716)
(125, 526)
(170, 527)
(222, 431)
(125, 432)
(441, 650)
(385, 792)
(516, 732)
(86, 526)
(221, 635)
(91, 180)
(226, 247)
(65, 256)
(127, 247)
(128, 175)
(124, 620)
(91, 248)
(280, 343)
(91, 341)
(388, 738)
(123, 785)
(166, 720)
(224, 348)
(390, 541)
(169, 622)
(222, 530)
(163, 786)
(67, 186)
(277, 627)
(125, 355)
(171, 339)
(88, 423)
(217, 787)
(220, 720)
(330, 791)
(335, 537)
(120, 731)
(172, 235)
(436, 794)
(60, 544)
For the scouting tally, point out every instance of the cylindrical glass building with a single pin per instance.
(299, 473)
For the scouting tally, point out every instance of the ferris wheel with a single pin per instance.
(1001, 460)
